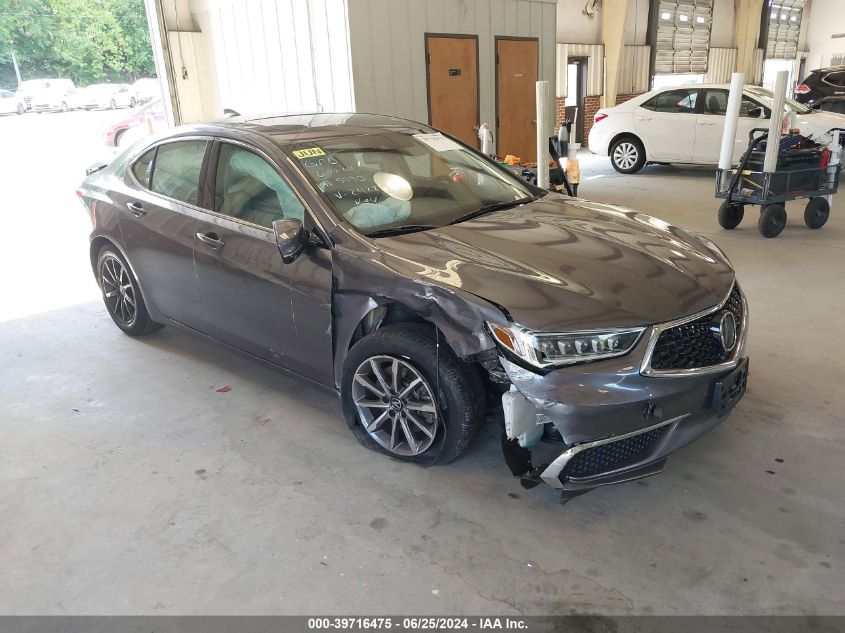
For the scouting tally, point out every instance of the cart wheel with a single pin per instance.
(816, 213)
(772, 220)
(731, 214)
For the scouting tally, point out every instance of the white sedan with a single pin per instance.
(102, 96)
(10, 103)
(685, 125)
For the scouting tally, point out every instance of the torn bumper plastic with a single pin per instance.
(616, 424)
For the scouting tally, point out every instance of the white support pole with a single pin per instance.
(731, 121)
(773, 142)
(542, 136)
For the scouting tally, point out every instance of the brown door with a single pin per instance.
(516, 78)
(453, 85)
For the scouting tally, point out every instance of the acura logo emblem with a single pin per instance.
(723, 327)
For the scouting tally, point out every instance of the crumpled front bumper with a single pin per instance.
(617, 424)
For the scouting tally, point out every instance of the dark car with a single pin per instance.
(429, 287)
(824, 89)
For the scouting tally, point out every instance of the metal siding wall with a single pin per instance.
(387, 42)
(633, 76)
(756, 67)
(276, 55)
(595, 67)
(721, 63)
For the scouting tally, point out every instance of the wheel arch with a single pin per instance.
(97, 244)
(356, 315)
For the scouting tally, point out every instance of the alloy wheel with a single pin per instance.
(118, 290)
(395, 405)
(626, 155)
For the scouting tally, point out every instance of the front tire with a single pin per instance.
(122, 295)
(627, 155)
(730, 215)
(388, 386)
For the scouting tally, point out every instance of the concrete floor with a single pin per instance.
(129, 485)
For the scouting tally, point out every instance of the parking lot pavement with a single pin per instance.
(130, 485)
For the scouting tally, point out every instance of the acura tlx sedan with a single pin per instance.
(429, 287)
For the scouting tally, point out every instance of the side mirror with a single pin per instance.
(291, 238)
(755, 113)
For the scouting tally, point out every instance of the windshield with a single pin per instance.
(767, 97)
(390, 181)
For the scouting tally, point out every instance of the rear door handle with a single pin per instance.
(644, 118)
(707, 123)
(137, 209)
(211, 239)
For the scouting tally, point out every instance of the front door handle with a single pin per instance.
(211, 239)
(136, 208)
(707, 123)
(644, 118)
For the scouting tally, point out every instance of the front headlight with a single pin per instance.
(543, 350)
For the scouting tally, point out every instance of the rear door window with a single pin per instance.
(674, 101)
(143, 168)
(176, 173)
(835, 79)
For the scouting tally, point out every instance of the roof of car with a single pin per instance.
(290, 129)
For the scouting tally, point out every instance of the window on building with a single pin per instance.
(783, 27)
(682, 37)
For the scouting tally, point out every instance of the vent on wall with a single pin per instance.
(683, 36)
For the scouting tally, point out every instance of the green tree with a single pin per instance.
(87, 40)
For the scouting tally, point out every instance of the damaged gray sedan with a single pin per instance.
(429, 287)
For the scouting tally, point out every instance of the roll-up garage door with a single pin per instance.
(784, 25)
(683, 36)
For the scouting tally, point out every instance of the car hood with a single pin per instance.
(564, 264)
(817, 123)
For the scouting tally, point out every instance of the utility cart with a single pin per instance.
(802, 172)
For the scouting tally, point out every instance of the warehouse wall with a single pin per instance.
(278, 55)
(387, 43)
(573, 27)
(826, 18)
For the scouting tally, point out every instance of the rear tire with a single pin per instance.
(730, 215)
(627, 155)
(816, 213)
(772, 220)
(440, 427)
(122, 294)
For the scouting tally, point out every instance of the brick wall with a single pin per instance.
(560, 111)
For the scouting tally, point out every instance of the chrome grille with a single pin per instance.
(691, 345)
